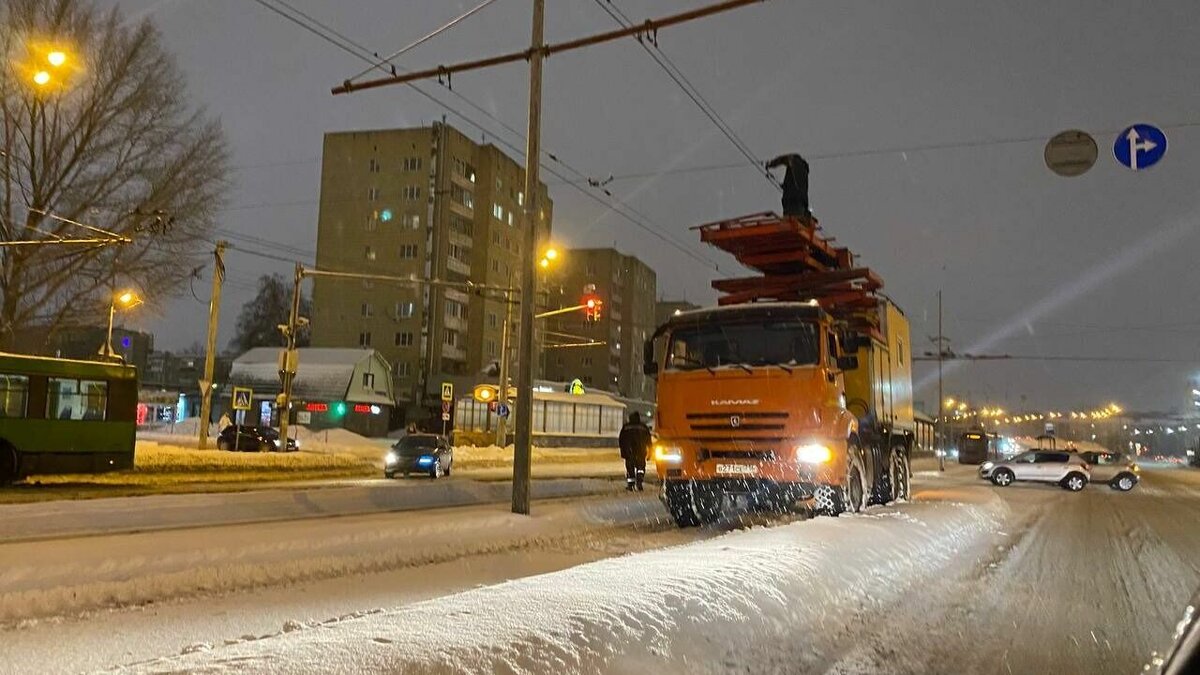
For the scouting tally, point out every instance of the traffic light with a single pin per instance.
(592, 308)
(486, 393)
(339, 408)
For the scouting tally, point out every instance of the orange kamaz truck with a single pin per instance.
(797, 387)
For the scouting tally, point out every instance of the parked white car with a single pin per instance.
(1065, 469)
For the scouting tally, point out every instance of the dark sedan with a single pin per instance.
(252, 439)
(419, 453)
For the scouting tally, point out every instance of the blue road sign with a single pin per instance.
(502, 410)
(1140, 146)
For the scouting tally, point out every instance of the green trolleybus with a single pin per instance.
(64, 416)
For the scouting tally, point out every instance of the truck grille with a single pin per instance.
(738, 421)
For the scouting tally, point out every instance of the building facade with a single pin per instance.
(424, 203)
(626, 288)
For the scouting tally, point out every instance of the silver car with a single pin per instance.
(1065, 469)
(1116, 469)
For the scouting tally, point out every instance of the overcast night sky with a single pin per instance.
(924, 121)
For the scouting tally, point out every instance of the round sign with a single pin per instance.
(1071, 153)
(1140, 146)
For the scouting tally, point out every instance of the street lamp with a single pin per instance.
(549, 256)
(49, 65)
(125, 300)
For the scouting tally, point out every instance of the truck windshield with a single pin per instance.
(788, 343)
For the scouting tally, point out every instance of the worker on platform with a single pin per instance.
(635, 445)
(795, 185)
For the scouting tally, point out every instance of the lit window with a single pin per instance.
(498, 211)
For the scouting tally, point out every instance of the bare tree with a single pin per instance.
(260, 318)
(109, 142)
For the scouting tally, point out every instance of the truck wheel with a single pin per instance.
(855, 490)
(899, 474)
(827, 501)
(679, 503)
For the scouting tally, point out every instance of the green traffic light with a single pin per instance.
(339, 408)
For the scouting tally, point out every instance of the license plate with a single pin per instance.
(738, 469)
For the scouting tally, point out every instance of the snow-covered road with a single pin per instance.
(697, 607)
(967, 579)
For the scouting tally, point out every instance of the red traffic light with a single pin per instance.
(592, 307)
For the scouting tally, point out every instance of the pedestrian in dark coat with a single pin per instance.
(635, 445)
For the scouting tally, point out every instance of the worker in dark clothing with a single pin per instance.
(795, 184)
(635, 445)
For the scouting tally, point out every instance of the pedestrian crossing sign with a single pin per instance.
(241, 398)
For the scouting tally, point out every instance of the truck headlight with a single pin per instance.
(666, 453)
(390, 458)
(813, 453)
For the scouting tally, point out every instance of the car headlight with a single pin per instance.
(986, 466)
(296, 442)
(390, 458)
(813, 453)
(667, 453)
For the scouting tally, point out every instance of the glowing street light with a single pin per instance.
(126, 300)
(41, 78)
(56, 58)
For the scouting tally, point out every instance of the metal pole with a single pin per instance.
(289, 372)
(210, 349)
(112, 310)
(501, 423)
(941, 401)
(523, 450)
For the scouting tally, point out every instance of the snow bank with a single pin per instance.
(695, 608)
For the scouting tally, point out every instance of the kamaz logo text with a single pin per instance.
(734, 401)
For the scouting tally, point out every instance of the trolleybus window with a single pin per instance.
(14, 392)
(77, 399)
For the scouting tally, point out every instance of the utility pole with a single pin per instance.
(210, 349)
(536, 52)
(941, 401)
(523, 444)
(289, 362)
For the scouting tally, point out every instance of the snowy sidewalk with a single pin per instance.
(696, 608)
(157, 512)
